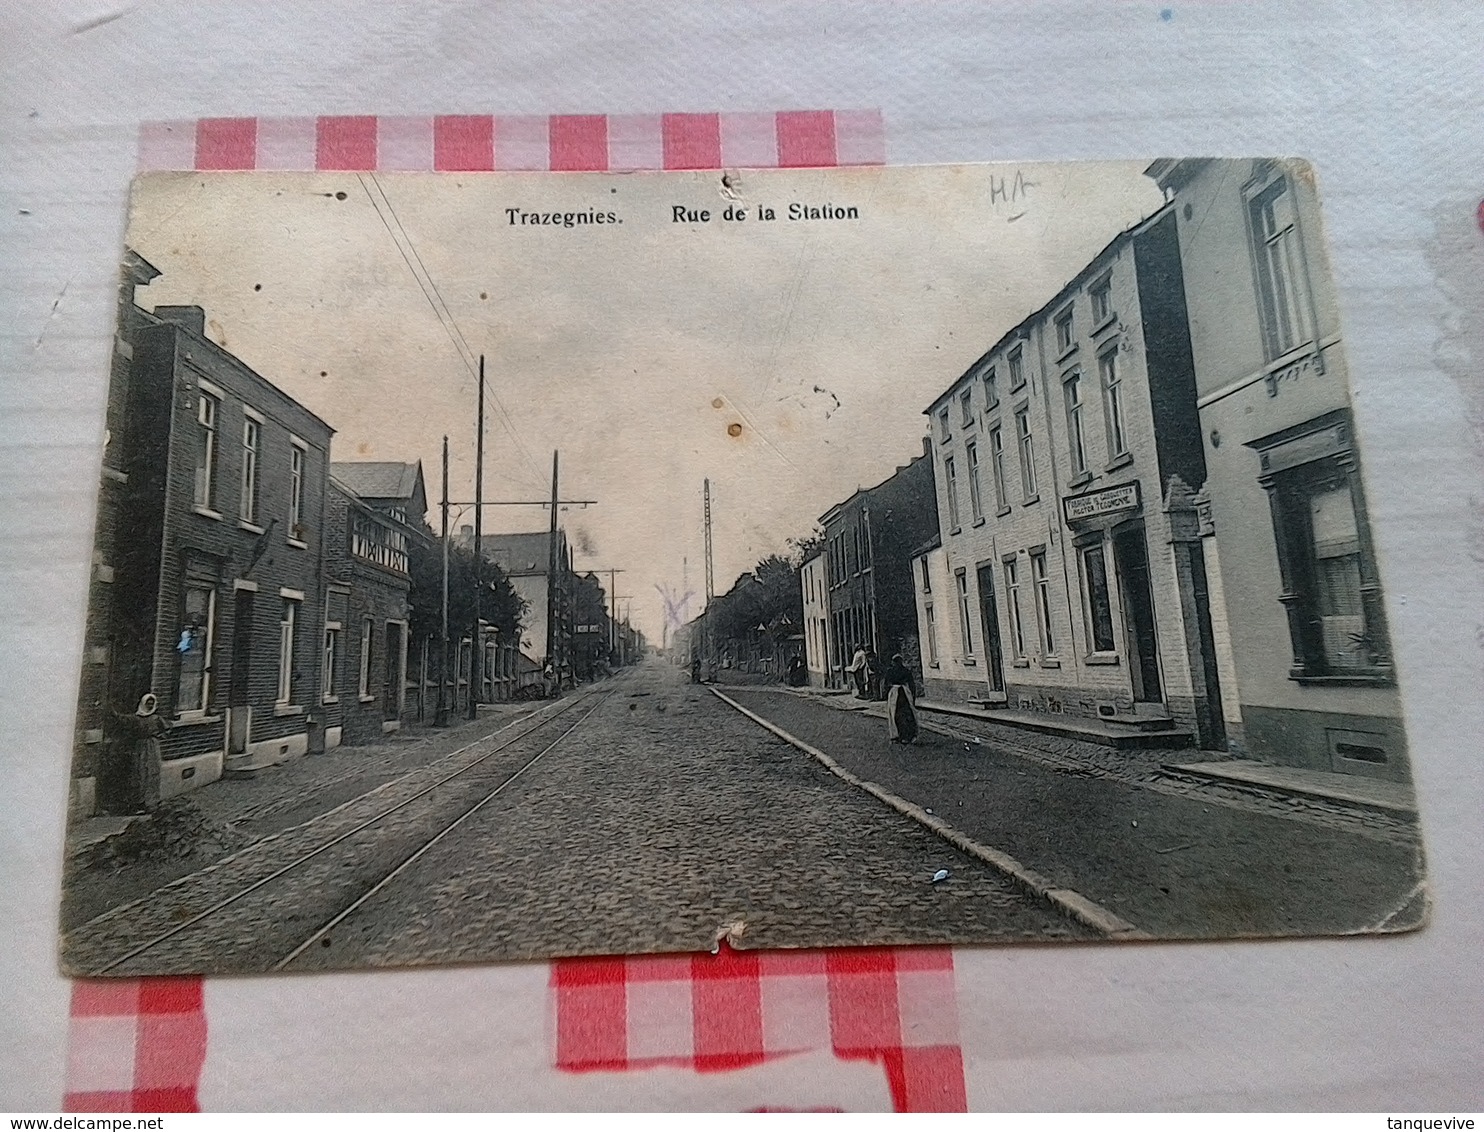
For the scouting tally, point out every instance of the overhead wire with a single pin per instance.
(429, 288)
(499, 405)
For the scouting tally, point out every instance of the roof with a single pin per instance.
(378, 479)
(520, 553)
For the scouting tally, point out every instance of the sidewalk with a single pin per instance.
(195, 829)
(1163, 856)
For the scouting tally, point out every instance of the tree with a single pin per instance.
(500, 605)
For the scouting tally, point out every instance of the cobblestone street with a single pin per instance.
(661, 821)
(1172, 858)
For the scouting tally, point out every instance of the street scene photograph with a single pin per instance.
(513, 566)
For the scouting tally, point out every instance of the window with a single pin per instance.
(376, 540)
(943, 430)
(1102, 301)
(866, 540)
(950, 476)
(932, 634)
(287, 630)
(296, 492)
(1112, 382)
(1064, 331)
(966, 407)
(1330, 587)
(997, 468)
(927, 577)
(197, 640)
(1043, 603)
(1099, 608)
(331, 662)
(1017, 368)
(363, 682)
(965, 620)
(335, 612)
(1027, 455)
(1072, 391)
(252, 434)
(976, 499)
(1012, 602)
(208, 411)
(991, 389)
(1282, 282)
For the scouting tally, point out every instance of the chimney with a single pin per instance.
(927, 444)
(192, 318)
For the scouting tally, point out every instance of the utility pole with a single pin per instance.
(552, 605)
(441, 718)
(476, 651)
(710, 580)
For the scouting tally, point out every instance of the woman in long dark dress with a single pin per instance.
(140, 737)
(901, 696)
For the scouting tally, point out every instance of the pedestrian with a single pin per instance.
(875, 690)
(797, 672)
(139, 736)
(695, 669)
(901, 708)
(859, 671)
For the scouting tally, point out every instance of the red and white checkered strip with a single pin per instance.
(564, 142)
(138, 1045)
(892, 1006)
(135, 1045)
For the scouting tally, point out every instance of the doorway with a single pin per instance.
(239, 715)
(1132, 555)
(994, 658)
(391, 694)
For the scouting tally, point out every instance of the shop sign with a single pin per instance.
(1109, 501)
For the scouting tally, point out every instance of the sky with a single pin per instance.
(788, 361)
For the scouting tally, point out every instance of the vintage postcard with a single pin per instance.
(512, 566)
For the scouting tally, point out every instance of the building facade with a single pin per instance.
(1069, 576)
(812, 583)
(1302, 618)
(548, 626)
(95, 706)
(372, 510)
(217, 602)
(869, 539)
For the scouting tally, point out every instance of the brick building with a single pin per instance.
(373, 514)
(868, 540)
(1304, 652)
(94, 702)
(215, 603)
(1069, 577)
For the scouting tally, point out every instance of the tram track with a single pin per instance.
(249, 902)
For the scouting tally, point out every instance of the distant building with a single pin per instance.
(1069, 578)
(374, 513)
(869, 539)
(526, 559)
(1304, 652)
(215, 603)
